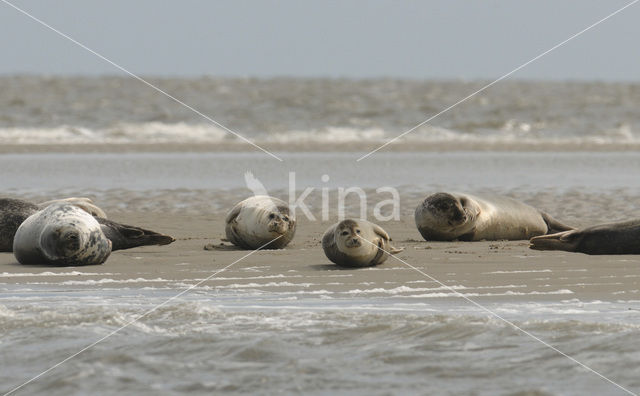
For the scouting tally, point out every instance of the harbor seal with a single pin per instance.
(454, 216)
(357, 243)
(61, 235)
(14, 211)
(257, 220)
(612, 238)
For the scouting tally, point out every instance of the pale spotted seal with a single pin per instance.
(612, 238)
(357, 243)
(14, 211)
(258, 220)
(455, 216)
(62, 235)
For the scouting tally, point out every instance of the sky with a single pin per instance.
(444, 39)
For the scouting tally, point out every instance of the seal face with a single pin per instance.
(612, 238)
(357, 243)
(454, 216)
(258, 220)
(61, 235)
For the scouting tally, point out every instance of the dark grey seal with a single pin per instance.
(455, 216)
(14, 211)
(612, 238)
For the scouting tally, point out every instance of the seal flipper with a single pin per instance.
(124, 236)
(567, 241)
(553, 225)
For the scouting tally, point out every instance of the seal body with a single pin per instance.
(12, 213)
(61, 235)
(612, 238)
(357, 243)
(455, 216)
(258, 220)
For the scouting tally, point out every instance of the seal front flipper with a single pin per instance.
(553, 225)
(567, 240)
(124, 236)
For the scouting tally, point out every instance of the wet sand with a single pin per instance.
(506, 271)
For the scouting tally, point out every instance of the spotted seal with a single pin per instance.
(454, 216)
(61, 235)
(357, 243)
(611, 238)
(256, 221)
(14, 211)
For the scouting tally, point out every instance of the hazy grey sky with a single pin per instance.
(356, 38)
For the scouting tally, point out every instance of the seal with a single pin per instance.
(255, 221)
(455, 216)
(611, 238)
(357, 243)
(12, 213)
(61, 235)
(15, 211)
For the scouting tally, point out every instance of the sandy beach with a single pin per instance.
(496, 270)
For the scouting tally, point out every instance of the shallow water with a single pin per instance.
(231, 342)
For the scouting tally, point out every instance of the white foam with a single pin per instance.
(181, 132)
(48, 273)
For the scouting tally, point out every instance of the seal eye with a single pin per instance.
(286, 218)
(345, 233)
(357, 231)
(271, 216)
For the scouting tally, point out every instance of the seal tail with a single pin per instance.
(559, 241)
(124, 236)
(553, 225)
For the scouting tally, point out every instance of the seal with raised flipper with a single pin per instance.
(447, 216)
(61, 235)
(357, 243)
(14, 211)
(260, 220)
(611, 238)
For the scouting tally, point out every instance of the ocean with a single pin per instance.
(569, 148)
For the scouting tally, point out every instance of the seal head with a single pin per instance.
(443, 216)
(357, 243)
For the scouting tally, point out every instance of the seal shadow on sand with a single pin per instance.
(221, 246)
(330, 267)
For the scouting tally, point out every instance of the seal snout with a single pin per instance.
(353, 242)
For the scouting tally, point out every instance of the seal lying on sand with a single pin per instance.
(257, 220)
(63, 235)
(450, 216)
(613, 238)
(14, 211)
(357, 243)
